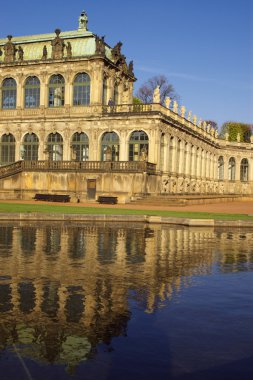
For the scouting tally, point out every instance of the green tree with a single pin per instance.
(233, 128)
(137, 100)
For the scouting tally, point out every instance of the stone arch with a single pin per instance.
(81, 89)
(56, 90)
(32, 92)
(110, 146)
(54, 147)
(138, 146)
(244, 170)
(30, 147)
(9, 93)
(7, 148)
(231, 169)
(80, 146)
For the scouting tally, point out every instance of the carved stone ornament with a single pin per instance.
(9, 51)
(57, 46)
(116, 52)
(44, 53)
(131, 68)
(100, 45)
(156, 95)
(69, 50)
(20, 54)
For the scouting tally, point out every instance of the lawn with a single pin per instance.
(45, 208)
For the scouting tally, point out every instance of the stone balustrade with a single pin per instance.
(81, 166)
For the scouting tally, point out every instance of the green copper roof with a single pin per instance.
(82, 43)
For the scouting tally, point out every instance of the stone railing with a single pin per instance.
(176, 116)
(8, 170)
(78, 166)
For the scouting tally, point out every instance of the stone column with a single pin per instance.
(226, 158)
(188, 158)
(237, 168)
(173, 154)
(19, 95)
(153, 147)
(198, 165)
(67, 99)
(166, 153)
(123, 151)
(193, 161)
(180, 157)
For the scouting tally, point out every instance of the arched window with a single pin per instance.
(9, 93)
(231, 169)
(7, 149)
(55, 147)
(110, 147)
(138, 146)
(56, 91)
(244, 170)
(29, 150)
(81, 92)
(80, 146)
(221, 168)
(32, 92)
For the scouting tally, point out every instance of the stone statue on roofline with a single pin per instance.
(9, 51)
(167, 102)
(57, 46)
(20, 53)
(157, 95)
(116, 52)
(69, 50)
(83, 21)
(100, 45)
(175, 106)
(131, 68)
(44, 53)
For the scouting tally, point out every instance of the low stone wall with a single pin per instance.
(43, 217)
(122, 185)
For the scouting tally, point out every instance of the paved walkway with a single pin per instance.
(238, 207)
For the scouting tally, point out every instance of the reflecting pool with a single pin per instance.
(123, 301)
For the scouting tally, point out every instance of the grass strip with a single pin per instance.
(30, 208)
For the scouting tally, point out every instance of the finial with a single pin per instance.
(57, 32)
(9, 37)
(175, 106)
(167, 102)
(183, 109)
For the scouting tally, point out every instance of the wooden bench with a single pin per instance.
(107, 199)
(52, 197)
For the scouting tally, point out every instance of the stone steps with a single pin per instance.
(183, 200)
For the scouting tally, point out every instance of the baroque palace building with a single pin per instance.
(68, 125)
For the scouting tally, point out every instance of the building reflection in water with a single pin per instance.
(66, 288)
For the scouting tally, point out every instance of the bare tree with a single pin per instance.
(145, 92)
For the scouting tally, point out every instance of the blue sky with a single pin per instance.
(204, 47)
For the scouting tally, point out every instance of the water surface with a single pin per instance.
(121, 301)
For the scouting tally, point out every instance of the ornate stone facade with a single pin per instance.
(54, 98)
